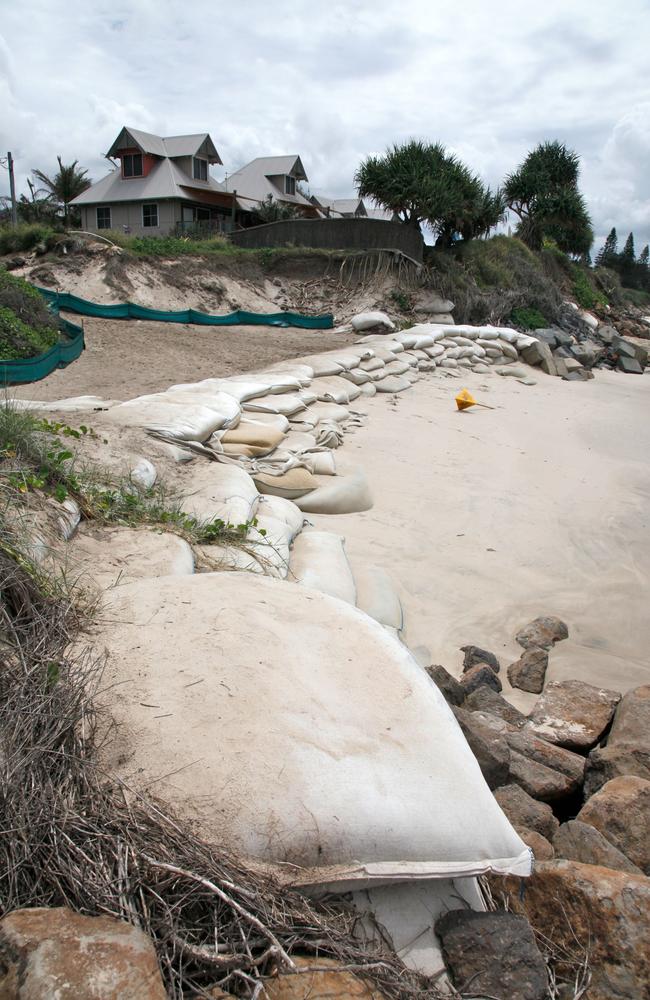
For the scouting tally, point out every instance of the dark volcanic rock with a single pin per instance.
(487, 745)
(573, 714)
(478, 675)
(494, 952)
(528, 672)
(577, 841)
(474, 655)
(522, 810)
(452, 690)
(629, 365)
(542, 632)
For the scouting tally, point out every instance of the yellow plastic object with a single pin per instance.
(464, 400)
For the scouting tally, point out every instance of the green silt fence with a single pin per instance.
(60, 355)
(129, 310)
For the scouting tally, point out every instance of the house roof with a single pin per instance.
(341, 206)
(171, 146)
(165, 180)
(254, 182)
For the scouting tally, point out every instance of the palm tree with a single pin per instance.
(65, 185)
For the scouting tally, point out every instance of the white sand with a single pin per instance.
(488, 519)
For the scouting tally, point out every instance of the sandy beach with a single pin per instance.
(486, 519)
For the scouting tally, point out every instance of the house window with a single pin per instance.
(103, 216)
(200, 169)
(132, 165)
(149, 215)
(289, 185)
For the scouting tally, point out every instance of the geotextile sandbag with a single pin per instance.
(334, 389)
(175, 417)
(393, 383)
(357, 376)
(312, 738)
(322, 463)
(377, 596)
(397, 367)
(292, 485)
(372, 364)
(347, 494)
(287, 404)
(224, 492)
(318, 561)
(259, 439)
(369, 389)
(368, 320)
(323, 365)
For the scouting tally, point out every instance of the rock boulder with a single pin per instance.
(474, 655)
(452, 690)
(584, 908)
(495, 952)
(573, 714)
(480, 675)
(487, 745)
(522, 810)
(577, 841)
(485, 699)
(60, 954)
(542, 632)
(621, 811)
(529, 671)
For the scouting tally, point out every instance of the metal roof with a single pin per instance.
(165, 180)
(171, 146)
(254, 183)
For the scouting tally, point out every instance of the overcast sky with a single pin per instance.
(335, 82)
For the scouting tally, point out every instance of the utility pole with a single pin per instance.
(12, 189)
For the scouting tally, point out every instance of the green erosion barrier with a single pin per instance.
(59, 356)
(129, 310)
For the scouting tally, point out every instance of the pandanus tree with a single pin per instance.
(543, 192)
(422, 184)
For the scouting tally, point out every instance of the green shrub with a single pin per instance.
(170, 246)
(14, 239)
(528, 318)
(586, 295)
(19, 340)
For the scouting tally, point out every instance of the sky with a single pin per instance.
(335, 82)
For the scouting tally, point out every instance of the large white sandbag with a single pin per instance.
(357, 376)
(393, 383)
(377, 596)
(223, 492)
(412, 339)
(372, 364)
(411, 359)
(434, 352)
(237, 389)
(283, 510)
(368, 389)
(508, 349)
(348, 359)
(296, 369)
(325, 411)
(397, 367)
(323, 365)
(299, 441)
(286, 404)
(174, 417)
(391, 346)
(342, 495)
(505, 333)
(328, 434)
(427, 366)
(524, 340)
(318, 561)
(448, 363)
(323, 463)
(314, 739)
(334, 389)
(366, 321)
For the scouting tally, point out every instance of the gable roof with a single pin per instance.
(341, 206)
(172, 146)
(165, 180)
(254, 182)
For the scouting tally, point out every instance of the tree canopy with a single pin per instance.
(423, 184)
(66, 184)
(543, 192)
(271, 210)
